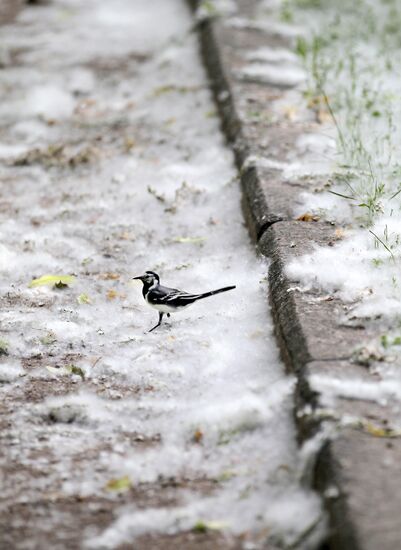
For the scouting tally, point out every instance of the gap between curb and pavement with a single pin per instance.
(363, 510)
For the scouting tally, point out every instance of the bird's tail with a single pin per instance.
(213, 292)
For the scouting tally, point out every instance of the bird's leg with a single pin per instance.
(159, 323)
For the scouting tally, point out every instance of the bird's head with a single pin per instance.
(149, 278)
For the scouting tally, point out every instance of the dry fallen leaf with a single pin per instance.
(316, 101)
(290, 112)
(126, 236)
(129, 143)
(339, 234)
(113, 294)
(109, 276)
(198, 436)
(323, 116)
(308, 217)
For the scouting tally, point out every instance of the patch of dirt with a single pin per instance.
(48, 519)
(9, 9)
(127, 64)
(58, 155)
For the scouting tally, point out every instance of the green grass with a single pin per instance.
(356, 88)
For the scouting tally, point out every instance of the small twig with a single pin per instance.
(96, 361)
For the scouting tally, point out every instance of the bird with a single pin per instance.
(169, 300)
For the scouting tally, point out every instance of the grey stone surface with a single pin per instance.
(308, 323)
(254, 137)
(363, 467)
(367, 472)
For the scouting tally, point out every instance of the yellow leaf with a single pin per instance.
(83, 299)
(119, 485)
(378, 431)
(52, 280)
(202, 526)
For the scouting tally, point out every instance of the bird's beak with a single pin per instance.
(140, 278)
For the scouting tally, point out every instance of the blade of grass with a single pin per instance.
(395, 194)
(383, 244)
(341, 195)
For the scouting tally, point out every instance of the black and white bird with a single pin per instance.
(169, 300)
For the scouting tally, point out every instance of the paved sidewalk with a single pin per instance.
(358, 468)
(113, 163)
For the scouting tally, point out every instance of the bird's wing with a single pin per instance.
(181, 297)
(174, 294)
(165, 295)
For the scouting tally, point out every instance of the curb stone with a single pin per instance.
(307, 322)
(355, 472)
